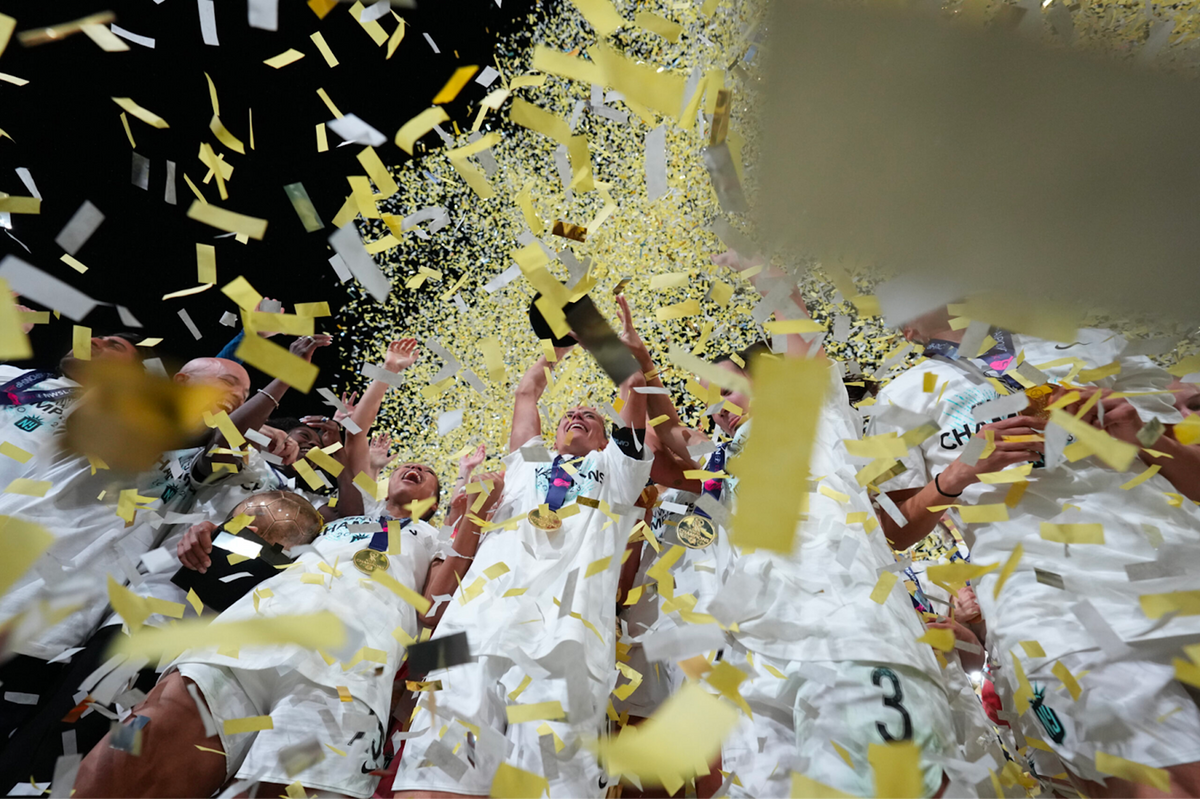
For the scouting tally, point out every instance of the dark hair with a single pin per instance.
(285, 423)
(143, 353)
(857, 394)
(748, 354)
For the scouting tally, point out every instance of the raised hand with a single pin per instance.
(493, 499)
(401, 355)
(350, 401)
(283, 446)
(736, 261)
(470, 462)
(305, 346)
(378, 453)
(327, 428)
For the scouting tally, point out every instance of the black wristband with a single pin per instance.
(631, 441)
(938, 486)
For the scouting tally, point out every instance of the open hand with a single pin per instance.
(305, 346)
(378, 452)
(470, 462)
(401, 355)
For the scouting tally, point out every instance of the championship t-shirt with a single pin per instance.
(30, 411)
(815, 604)
(518, 607)
(215, 500)
(371, 612)
(1140, 523)
(90, 543)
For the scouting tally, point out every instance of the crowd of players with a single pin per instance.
(590, 577)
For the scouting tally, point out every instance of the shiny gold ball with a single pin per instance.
(281, 517)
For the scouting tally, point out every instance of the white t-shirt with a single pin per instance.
(369, 610)
(811, 606)
(90, 543)
(216, 498)
(1028, 609)
(31, 426)
(541, 561)
(698, 572)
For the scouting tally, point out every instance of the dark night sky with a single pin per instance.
(68, 133)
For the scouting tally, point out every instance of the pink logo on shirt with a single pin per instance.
(1000, 366)
(558, 481)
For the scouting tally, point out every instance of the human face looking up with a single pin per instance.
(104, 348)
(228, 376)
(580, 431)
(411, 482)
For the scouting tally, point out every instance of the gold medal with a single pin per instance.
(544, 519)
(695, 531)
(369, 561)
(1039, 398)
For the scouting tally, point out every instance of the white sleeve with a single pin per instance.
(1138, 374)
(629, 475)
(515, 458)
(893, 416)
(431, 540)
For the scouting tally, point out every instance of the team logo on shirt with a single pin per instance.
(28, 423)
(1046, 715)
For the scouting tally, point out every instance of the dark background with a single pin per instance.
(68, 133)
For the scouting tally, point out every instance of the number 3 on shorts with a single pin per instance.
(895, 701)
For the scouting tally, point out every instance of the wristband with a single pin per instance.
(267, 394)
(938, 486)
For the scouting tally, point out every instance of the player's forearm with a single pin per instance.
(368, 406)
(444, 577)
(1181, 468)
(533, 383)
(633, 412)
(527, 421)
(355, 460)
(921, 521)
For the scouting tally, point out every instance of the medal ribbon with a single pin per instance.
(714, 485)
(997, 359)
(379, 541)
(560, 483)
(13, 392)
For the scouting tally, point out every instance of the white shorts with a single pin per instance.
(299, 709)
(796, 719)
(1131, 709)
(463, 762)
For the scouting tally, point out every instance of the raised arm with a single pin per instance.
(668, 440)
(255, 411)
(445, 575)
(400, 355)
(797, 347)
(526, 421)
